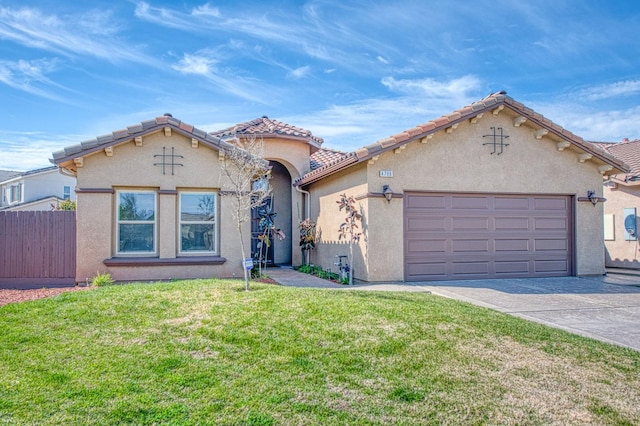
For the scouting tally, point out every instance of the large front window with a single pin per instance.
(136, 222)
(197, 222)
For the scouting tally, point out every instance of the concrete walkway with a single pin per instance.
(605, 308)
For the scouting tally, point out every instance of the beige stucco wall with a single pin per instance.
(619, 252)
(132, 167)
(459, 162)
(324, 211)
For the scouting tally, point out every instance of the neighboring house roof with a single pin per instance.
(626, 151)
(146, 127)
(16, 175)
(266, 127)
(491, 102)
(8, 174)
(48, 199)
(324, 157)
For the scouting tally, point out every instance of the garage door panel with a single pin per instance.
(469, 202)
(546, 203)
(512, 245)
(427, 270)
(427, 202)
(512, 223)
(519, 267)
(546, 223)
(472, 236)
(469, 223)
(427, 246)
(551, 244)
(435, 223)
(466, 246)
(551, 266)
(469, 268)
(511, 203)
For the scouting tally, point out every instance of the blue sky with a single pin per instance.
(352, 72)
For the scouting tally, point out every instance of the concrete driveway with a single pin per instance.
(604, 308)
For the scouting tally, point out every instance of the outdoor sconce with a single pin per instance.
(592, 198)
(387, 192)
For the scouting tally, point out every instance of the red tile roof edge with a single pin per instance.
(490, 102)
(149, 126)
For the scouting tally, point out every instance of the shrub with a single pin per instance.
(101, 280)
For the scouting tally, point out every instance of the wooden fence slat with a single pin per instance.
(37, 248)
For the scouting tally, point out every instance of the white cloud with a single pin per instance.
(31, 150)
(299, 72)
(30, 77)
(430, 87)
(206, 10)
(328, 40)
(194, 64)
(592, 124)
(613, 90)
(349, 127)
(203, 64)
(383, 60)
(83, 35)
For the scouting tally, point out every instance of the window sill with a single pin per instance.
(155, 261)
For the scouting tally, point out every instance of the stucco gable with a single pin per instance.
(492, 104)
(65, 158)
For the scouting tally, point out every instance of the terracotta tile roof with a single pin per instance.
(324, 157)
(495, 100)
(626, 151)
(266, 127)
(140, 129)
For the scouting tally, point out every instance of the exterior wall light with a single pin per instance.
(387, 192)
(592, 198)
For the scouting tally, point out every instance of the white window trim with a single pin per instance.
(133, 222)
(17, 188)
(216, 240)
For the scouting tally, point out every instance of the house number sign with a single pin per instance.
(168, 160)
(386, 173)
(498, 137)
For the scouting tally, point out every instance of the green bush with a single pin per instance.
(318, 272)
(101, 280)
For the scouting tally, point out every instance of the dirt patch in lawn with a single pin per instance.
(17, 296)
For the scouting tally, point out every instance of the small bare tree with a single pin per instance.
(247, 174)
(349, 228)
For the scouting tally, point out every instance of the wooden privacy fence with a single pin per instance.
(37, 249)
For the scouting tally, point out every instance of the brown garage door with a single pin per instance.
(470, 236)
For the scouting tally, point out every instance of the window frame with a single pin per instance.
(180, 222)
(118, 222)
(66, 192)
(15, 195)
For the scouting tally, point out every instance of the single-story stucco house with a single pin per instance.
(491, 190)
(622, 192)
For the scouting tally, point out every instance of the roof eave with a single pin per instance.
(207, 140)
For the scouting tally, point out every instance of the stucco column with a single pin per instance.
(167, 224)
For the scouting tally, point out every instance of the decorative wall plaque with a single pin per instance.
(168, 160)
(498, 140)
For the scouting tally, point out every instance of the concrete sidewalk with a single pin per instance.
(605, 308)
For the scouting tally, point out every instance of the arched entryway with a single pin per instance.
(281, 204)
(280, 251)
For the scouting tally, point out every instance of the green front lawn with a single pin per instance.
(206, 352)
